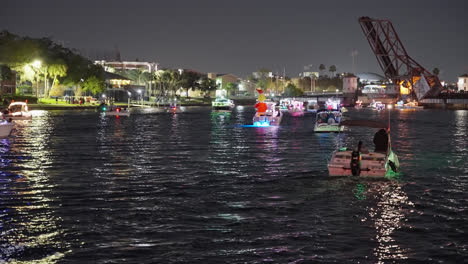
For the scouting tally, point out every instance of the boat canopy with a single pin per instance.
(364, 123)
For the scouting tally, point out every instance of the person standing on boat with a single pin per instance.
(381, 141)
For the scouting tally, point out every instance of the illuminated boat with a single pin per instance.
(17, 111)
(118, 111)
(296, 108)
(5, 128)
(377, 105)
(284, 105)
(328, 121)
(358, 104)
(222, 103)
(409, 105)
(173, 108)
(382, 162)
(272, 117)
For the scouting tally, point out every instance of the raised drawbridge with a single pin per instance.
(396, 64)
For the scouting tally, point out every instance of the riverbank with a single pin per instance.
(60, 105)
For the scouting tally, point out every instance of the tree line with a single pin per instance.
(42, 60)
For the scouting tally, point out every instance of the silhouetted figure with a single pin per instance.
(381, 141)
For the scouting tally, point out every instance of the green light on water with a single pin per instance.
(391, 175)
(359, 191)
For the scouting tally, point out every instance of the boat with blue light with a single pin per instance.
(271, 117)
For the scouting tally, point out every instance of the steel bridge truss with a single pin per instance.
(395, 62)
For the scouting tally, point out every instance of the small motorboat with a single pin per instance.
(382, 162)
(272, 116)
(222, 103)
(377, 105)
(113, 110)
(328, 121)
(6, 128)
(296, 108)
(358, 104)
(17, 111)
(117, 111)
(409, 105)
(173, 108)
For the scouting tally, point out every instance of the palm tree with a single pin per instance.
(332, 70)
(436, 71)
(322, 68)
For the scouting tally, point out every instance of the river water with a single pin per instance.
(198, 187)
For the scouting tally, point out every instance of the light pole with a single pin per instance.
(139, 94)
(37, 65)
(129, 95)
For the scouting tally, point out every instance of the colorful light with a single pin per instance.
(261, 123)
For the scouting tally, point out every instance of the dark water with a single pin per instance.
(197, 187)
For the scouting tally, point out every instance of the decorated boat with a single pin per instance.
(409, 105)
(358, 104)
(271, 117)
(222, 103)
(296, 108)
(377, 105)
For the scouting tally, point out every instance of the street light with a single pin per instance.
(37, 64)
(139, 93)
(129, 95)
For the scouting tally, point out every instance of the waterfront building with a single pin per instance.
(111, 66)
(349, 84)
(309, 74)
(462, 83)
(8, 86)
(371, 78)
(128, 65)
(222, 80)
(120, 88)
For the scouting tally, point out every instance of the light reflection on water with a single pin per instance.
(388, 215)
(29, 222)
(197, 187)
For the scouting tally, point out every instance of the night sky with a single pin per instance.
(241, 36)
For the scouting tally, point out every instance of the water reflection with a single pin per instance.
(461, 130)
(29, 219)
(388, 215)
